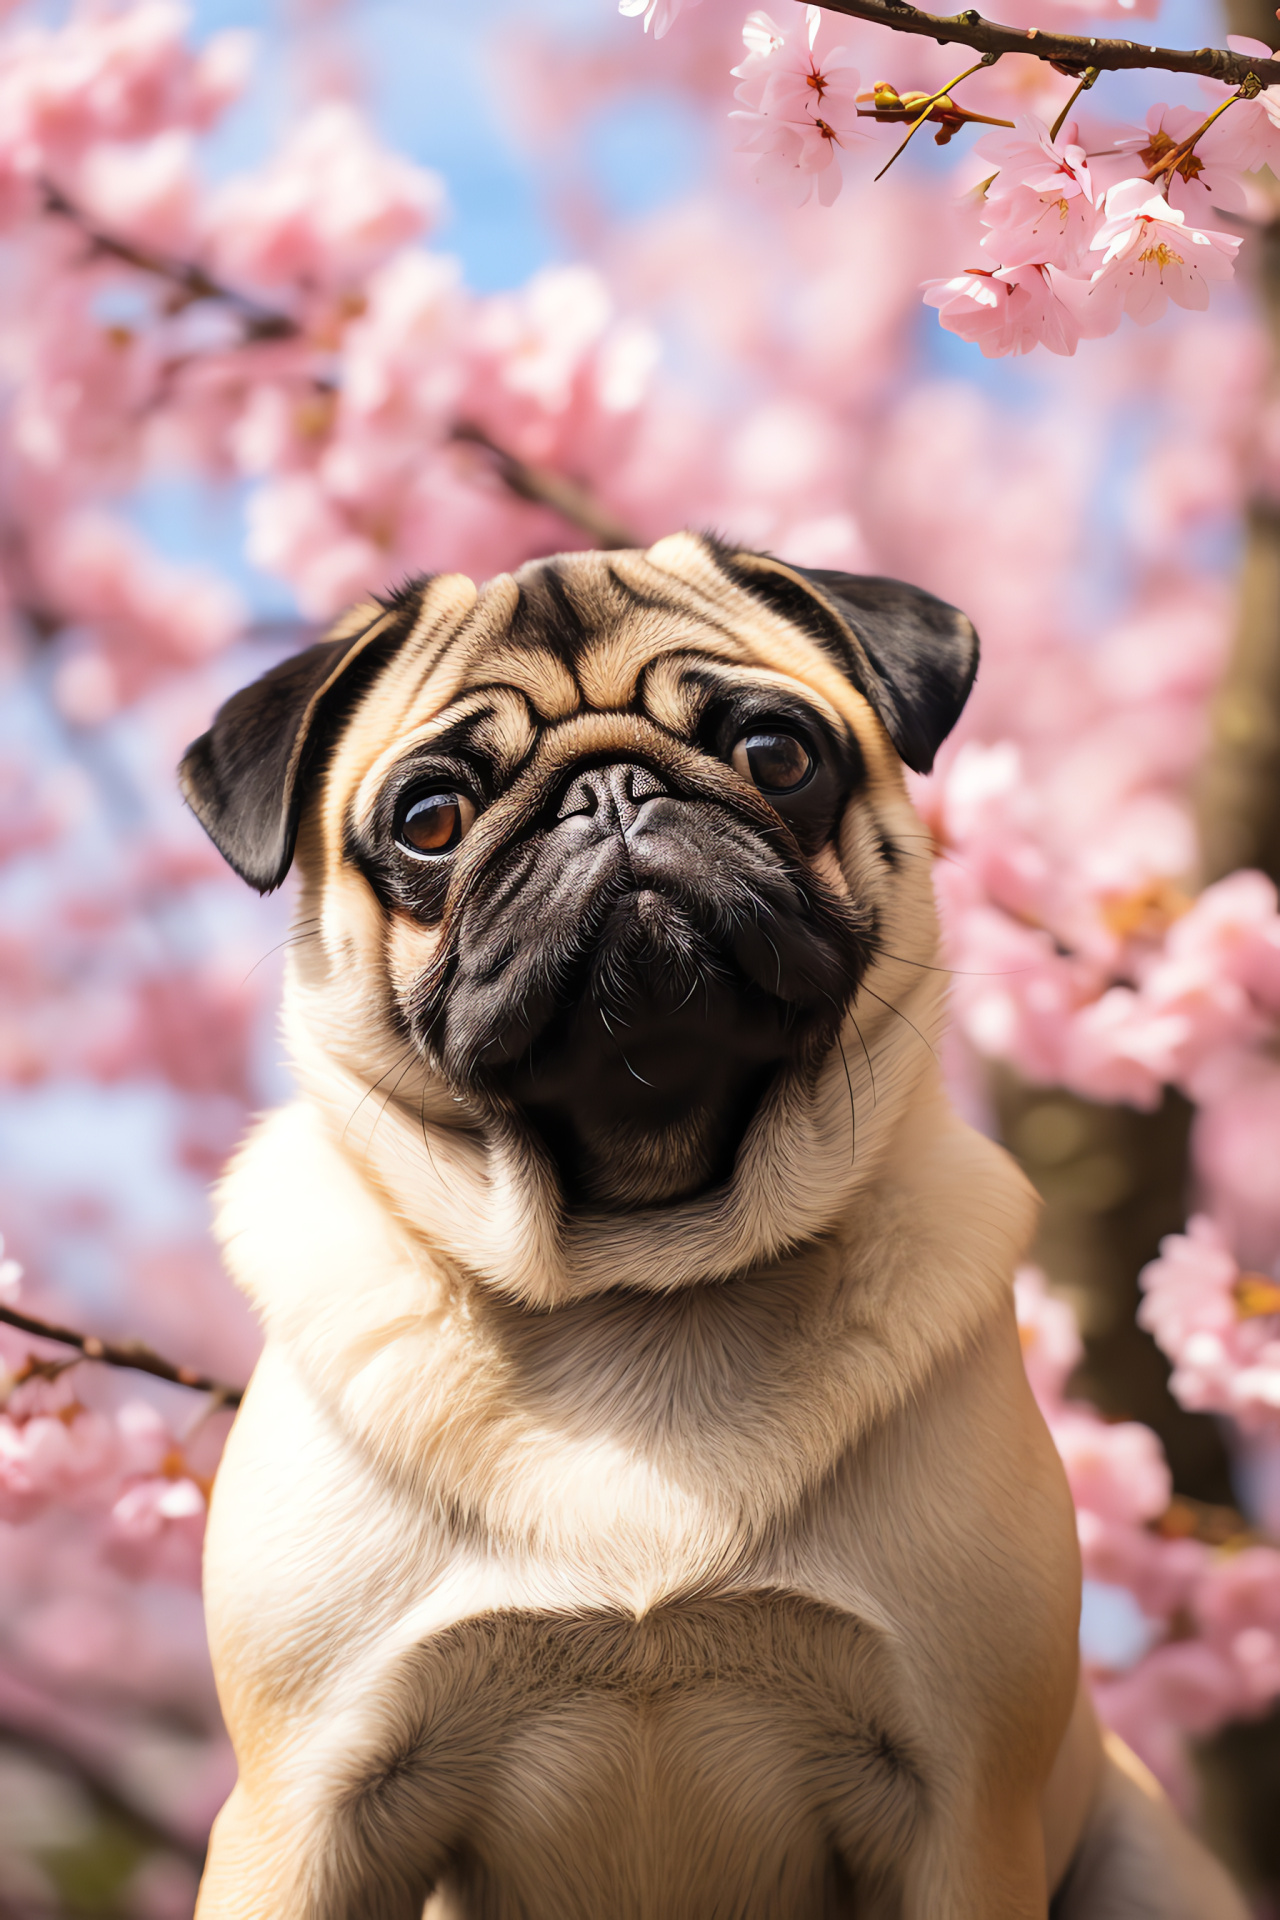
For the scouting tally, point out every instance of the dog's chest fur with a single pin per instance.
(713, 1757)
(636, 1607)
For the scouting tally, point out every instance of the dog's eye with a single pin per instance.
(776, 762)
(435, 822)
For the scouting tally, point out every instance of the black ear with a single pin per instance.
(246, 779)
(911, 655)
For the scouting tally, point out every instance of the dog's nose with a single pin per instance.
(615, 793)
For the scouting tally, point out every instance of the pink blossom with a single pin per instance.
(661, 15)
(1222, 1362)
(1009, 310)
(147, 192)
(1181, 1689)
(1233, 929)
(1236, 1144)
(156, 1530)
(64, 1455)
(1206, 179)
(1040, 206)
(10, 1277)
(537, 339)
(141, 615)
(1150, 255)
(1117, 1471)
(330, 207)
(1051, 1344)
(797, 113)
(113, 75)
(1247, 135)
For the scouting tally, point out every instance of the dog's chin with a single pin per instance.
(642, 1085)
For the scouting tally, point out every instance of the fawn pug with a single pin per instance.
(639, 1511)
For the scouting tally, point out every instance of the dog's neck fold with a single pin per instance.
(484, 1196)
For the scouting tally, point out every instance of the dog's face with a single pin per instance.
(608, 851)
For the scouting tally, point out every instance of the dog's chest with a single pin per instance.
(740, 1756)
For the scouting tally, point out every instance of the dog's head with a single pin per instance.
(597, 864)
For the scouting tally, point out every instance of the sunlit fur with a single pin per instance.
(706, 1561)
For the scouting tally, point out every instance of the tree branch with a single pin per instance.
(572, 502)
(189, 280)
(132, 1354)
(547, 489)
(1071, 52)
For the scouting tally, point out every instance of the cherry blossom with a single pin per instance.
(1040, 205)
(156, 1530)
(1145, 1575)
(1150, 255)
(798, 114)
(10, 1277)
(661, 15)
(331, 207)
(1207, 178)
(1221, 1328)
(1007, 310)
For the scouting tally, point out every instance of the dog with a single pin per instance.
(639, 1511)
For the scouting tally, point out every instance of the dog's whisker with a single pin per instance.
(294, 939)
(866, 1056)
(864, 988)
(853, 1116)
(374, 1086)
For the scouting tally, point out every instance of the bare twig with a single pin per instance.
(1071, 52)
(935, 103)
(191, 282)
(132, 1354)
(1083, 85)
(571, 501)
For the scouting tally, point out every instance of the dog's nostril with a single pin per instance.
(641, 783)
(616, 791)
(580, 796)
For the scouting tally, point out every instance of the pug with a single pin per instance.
(639, 1511)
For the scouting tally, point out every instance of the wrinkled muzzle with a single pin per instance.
(641, 953)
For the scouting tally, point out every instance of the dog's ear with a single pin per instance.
(246, 779)
(910, 655)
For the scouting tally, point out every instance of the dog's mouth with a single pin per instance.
(633, 995)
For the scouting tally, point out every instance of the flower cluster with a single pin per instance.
(799, 115)
(1178, 1633)
(1074, 248)
(1219, 1326)
(1081, 222)
(121, 1466)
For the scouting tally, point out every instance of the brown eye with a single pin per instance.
(776, 762)
(436, 823)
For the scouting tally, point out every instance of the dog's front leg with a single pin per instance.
(271, 1861)
(256, 1869)
(310, 1568)
(976, 1868)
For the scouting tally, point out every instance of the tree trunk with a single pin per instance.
(1114, 1180)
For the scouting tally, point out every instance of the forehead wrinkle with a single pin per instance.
(443, 606)
(610, 667)
(609, 732)
(507, 733)
(742, 675)
(534, 671)
(704, 589)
